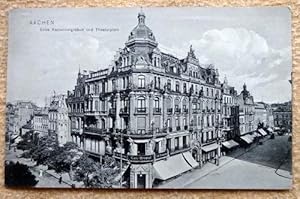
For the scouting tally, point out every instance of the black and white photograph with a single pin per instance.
(149, 98)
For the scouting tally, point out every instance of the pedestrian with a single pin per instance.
(60, 179)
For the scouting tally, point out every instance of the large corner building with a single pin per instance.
(160, 114)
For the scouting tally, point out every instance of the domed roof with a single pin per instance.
(141, 31)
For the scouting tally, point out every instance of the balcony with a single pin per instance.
(186, 127)
(156, 110)
(185, 110)
(94, 130)
(170, 129)
(195, 111)
(177, 110)
(169, 111)
(178, 128)
(124, 111)
(147, 134)
(141, 110)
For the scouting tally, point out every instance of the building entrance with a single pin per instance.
(141, 181)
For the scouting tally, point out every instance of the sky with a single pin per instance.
(247, 45)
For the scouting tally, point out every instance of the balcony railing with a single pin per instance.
(178, 128)
(170, 129)
(156, 110)
(195, 111)
(140, 110)
(177, 110)
(169, 110)
(185, 110)
(94, 130)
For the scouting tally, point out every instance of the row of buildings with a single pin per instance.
(161, 114)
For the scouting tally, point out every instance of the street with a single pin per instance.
(259, 167)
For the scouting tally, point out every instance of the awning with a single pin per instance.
(257, 134)
(247, 138)
(262, 132)
(190, 160)
(210, 147)
(170, 167)
(230, 144)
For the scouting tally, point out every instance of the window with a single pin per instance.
(212, 92)
(176, 143)
(124, 82)
(169, 84)
(114, 85)
(155, 82)
(141, 81)
(177, 86)
(158, 82)
(156, 102)
(141, 104)
(177, 122)
(184, 87)
(96, 105)
(207, 93)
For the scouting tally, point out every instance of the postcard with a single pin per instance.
(149, 98)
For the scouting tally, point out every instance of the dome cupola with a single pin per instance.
(141, 33)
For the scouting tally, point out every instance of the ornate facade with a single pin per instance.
(150, 109)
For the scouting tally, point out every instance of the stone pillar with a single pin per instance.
(118, 103)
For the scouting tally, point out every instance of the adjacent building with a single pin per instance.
(246, 115)
(282, 114)
(40, 122)
(58, 119)
(230, 112)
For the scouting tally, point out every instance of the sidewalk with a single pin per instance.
(187, 178)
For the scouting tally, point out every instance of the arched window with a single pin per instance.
(141, 81)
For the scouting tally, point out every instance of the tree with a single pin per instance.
(66, 156)
(17, 174)
(45, 150)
